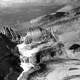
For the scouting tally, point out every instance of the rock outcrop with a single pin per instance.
(51, 58)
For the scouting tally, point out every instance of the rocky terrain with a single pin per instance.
(9, 60)
(56, 58)
(48, 49)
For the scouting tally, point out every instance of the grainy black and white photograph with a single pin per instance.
(39, 39)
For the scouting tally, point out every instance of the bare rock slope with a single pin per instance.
(58, 60)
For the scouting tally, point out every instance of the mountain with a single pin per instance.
(65, 25)
(62, 61)
(62, 23)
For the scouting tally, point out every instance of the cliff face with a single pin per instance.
(51, 47)
(52, 56)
